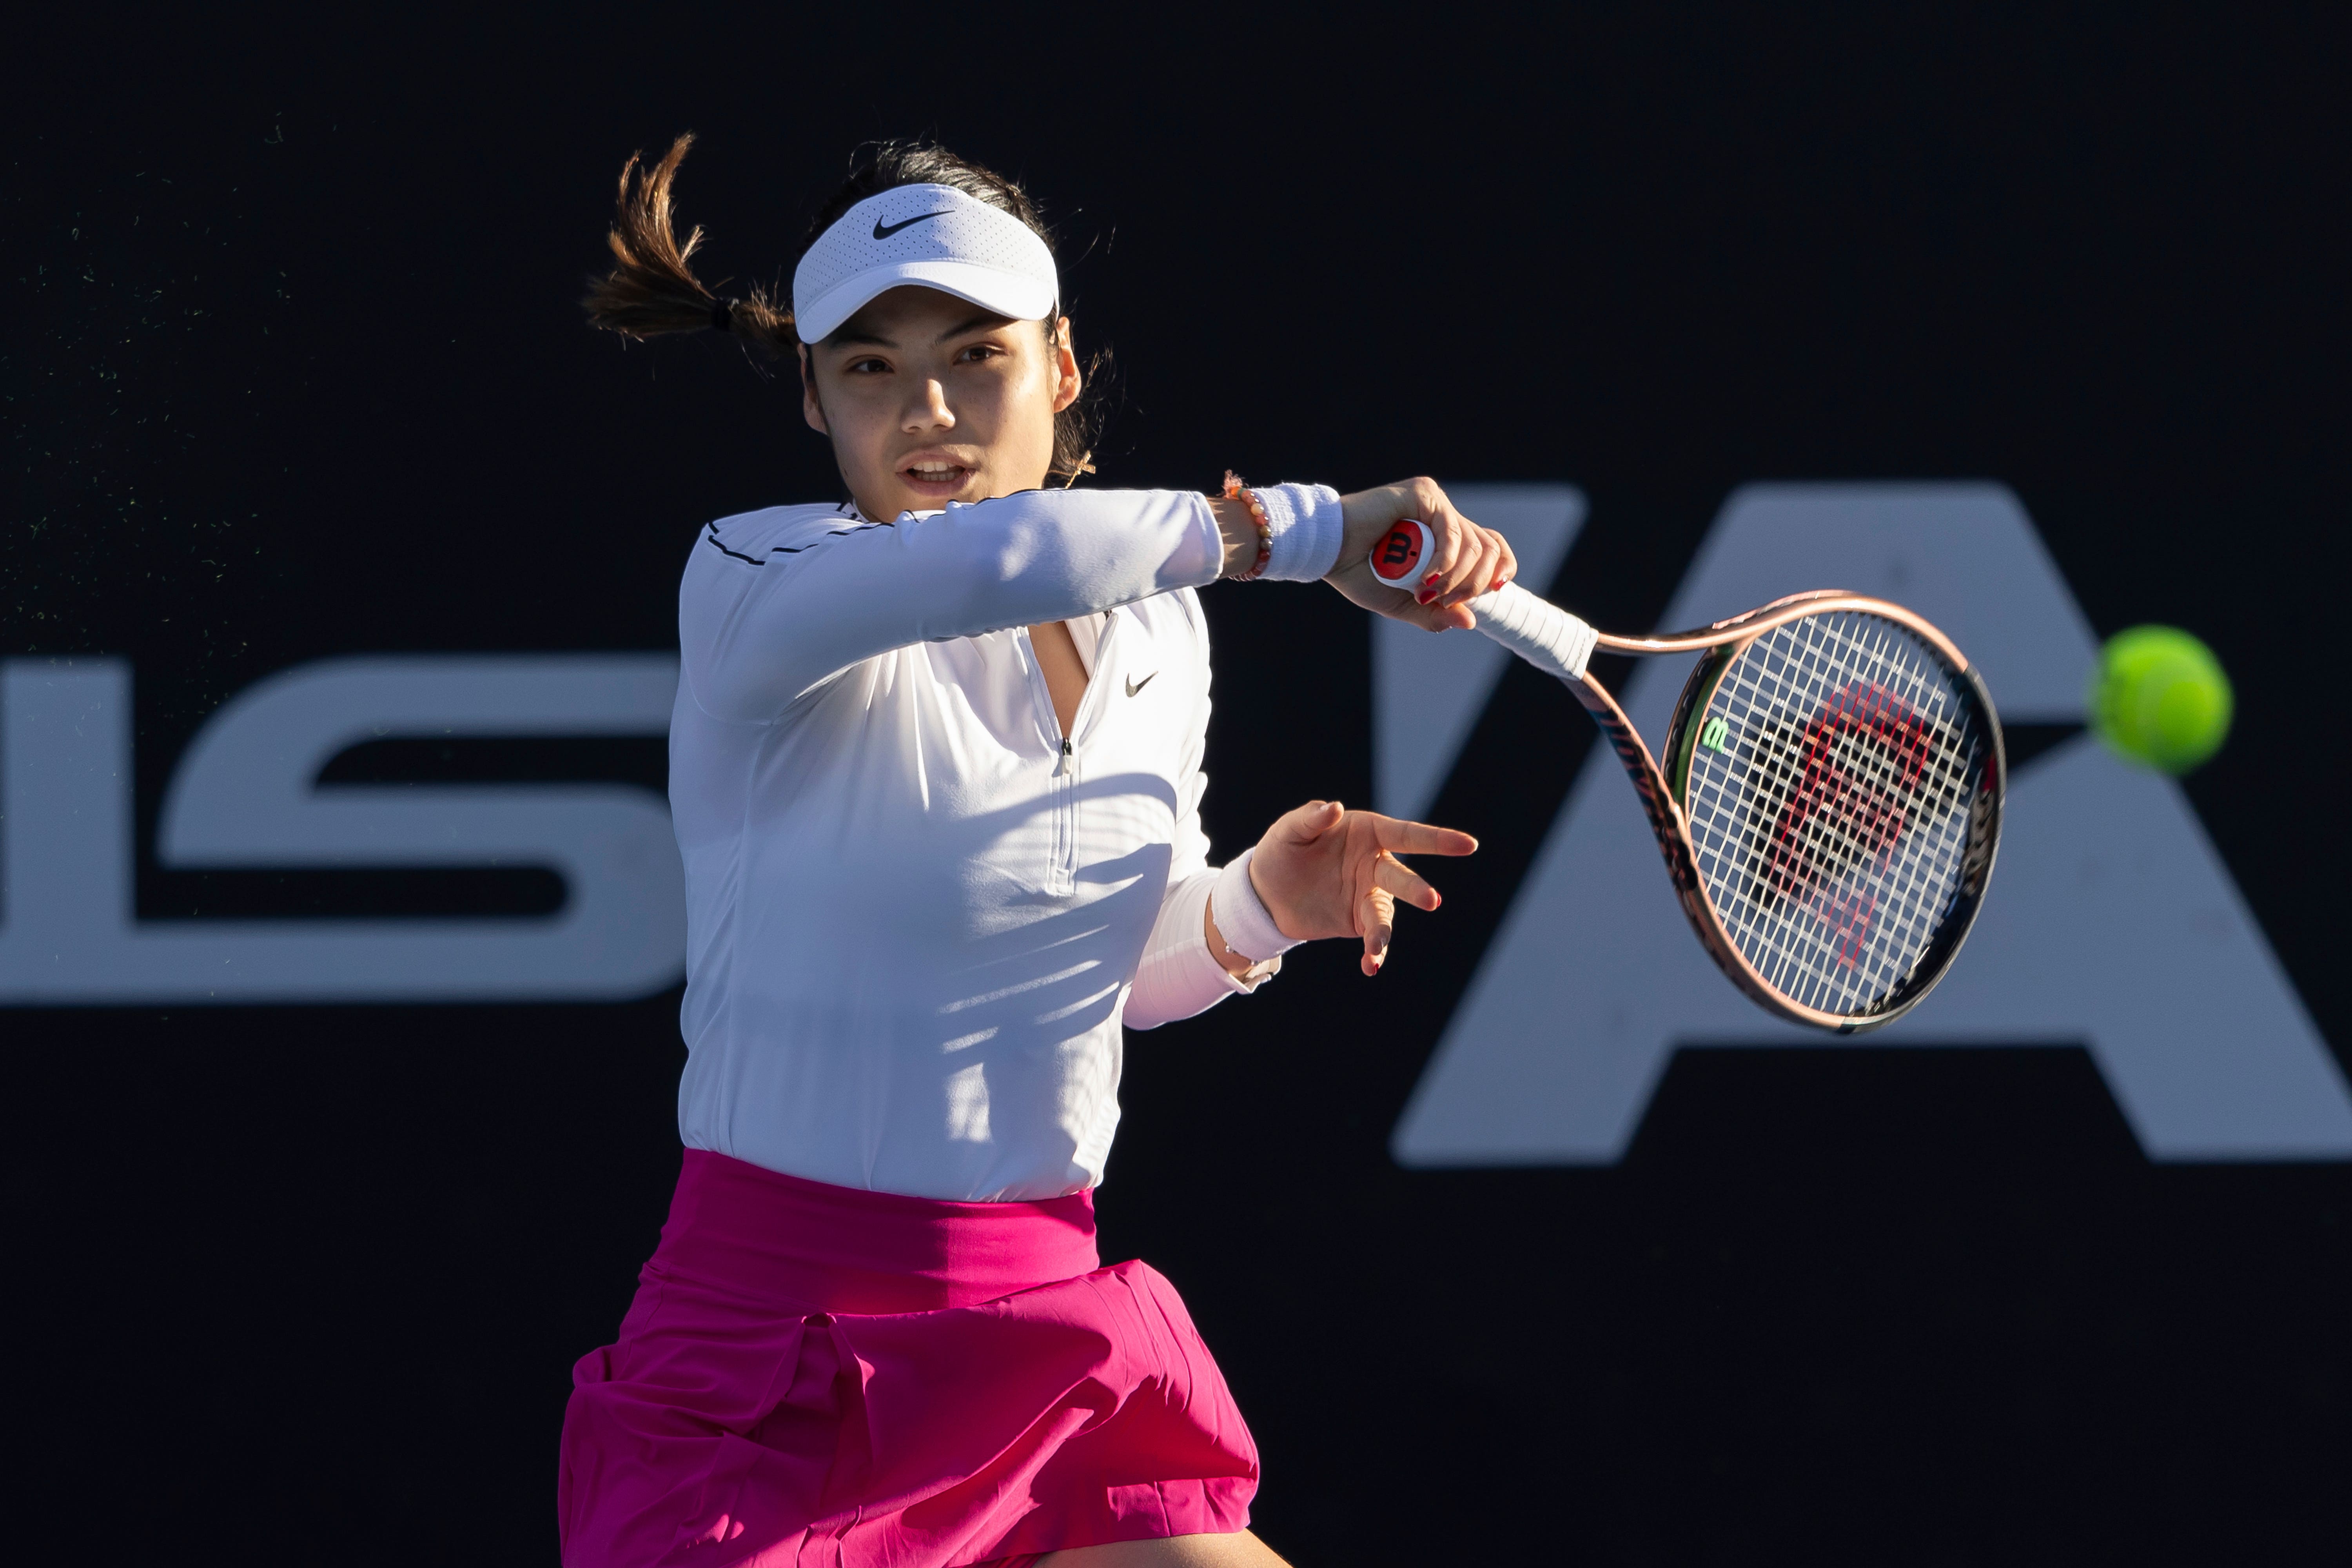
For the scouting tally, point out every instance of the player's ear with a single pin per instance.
(810, 409)
(1068, 380)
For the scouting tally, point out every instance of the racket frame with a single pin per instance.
(1663, 796)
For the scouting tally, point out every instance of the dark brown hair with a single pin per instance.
(652, 289)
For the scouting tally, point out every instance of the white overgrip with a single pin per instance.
(1543, 634)
(1539, 631)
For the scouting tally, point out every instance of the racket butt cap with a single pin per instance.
(1404, 554)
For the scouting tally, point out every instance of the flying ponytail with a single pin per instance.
(654, 290)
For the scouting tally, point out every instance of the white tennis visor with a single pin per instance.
(933, 236)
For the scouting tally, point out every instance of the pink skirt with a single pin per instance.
(815, 1374)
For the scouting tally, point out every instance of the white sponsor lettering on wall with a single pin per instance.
(2111, 921)
(247, 795)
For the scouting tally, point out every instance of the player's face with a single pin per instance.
(929, 399)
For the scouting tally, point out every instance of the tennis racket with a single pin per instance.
(1830, 806)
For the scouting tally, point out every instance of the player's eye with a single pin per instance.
(868, 366)
(976, 353)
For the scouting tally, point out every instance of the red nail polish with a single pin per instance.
(1426, 594)
(1431, 578)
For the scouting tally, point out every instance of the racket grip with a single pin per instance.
(1536, 629)
(1541, 633)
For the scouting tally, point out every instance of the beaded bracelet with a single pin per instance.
(1237, 491)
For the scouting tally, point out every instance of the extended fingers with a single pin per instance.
(1392, 876)
(1375, 918)
(1399, 837)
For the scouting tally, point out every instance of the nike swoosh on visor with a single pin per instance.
(882, 233)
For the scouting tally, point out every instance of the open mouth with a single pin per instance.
(936, 474)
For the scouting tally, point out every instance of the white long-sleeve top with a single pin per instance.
(916, 916)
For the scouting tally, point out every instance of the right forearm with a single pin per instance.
(758, 627)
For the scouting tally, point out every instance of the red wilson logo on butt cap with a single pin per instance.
(1399, 551)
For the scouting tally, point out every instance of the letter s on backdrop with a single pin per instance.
(246, 794)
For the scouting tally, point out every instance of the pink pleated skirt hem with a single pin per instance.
(815, 1375)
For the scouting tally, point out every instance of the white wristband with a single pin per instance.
(1240, 914)
(1304, 525)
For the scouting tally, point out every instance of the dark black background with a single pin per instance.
(292, 367)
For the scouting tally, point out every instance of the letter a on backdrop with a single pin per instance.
(2111, 923)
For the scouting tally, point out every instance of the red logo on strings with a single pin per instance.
(1861, 760)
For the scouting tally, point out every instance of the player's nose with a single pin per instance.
(929, 410)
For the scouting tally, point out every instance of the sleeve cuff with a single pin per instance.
(1181, 978)
(1241, 915)
(1305, 522)
(1209, 973)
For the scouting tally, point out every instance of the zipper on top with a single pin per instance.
(1061, 878)
(1061, 868)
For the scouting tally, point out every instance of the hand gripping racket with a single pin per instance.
(1830, 806)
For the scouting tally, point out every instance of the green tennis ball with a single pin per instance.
(2158, 697)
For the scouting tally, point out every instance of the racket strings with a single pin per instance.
(1828, 814)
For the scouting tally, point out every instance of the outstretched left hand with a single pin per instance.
(1324, 870)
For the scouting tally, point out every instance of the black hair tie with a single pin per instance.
(721, 313)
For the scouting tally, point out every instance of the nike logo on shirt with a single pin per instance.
(883, 232)
(1134, 686)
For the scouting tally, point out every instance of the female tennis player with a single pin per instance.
(936, 770)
